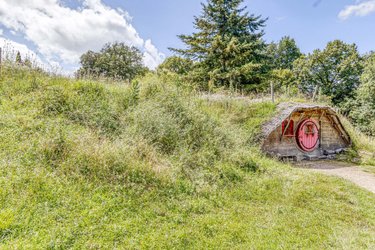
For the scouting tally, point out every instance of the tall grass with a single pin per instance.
(363, 146)
(155, 123)
(154, 165)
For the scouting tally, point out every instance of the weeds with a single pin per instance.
(153, 165)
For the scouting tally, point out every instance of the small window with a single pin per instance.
(288, 130)
(309, 129)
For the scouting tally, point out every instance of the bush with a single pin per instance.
(362, 110)
(89, 165)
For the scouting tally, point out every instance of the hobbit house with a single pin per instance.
(304, 132)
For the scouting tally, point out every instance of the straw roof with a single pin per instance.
(286, 109)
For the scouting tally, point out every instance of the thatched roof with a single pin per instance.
(286, 109)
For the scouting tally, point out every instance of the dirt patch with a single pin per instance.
(344, 170)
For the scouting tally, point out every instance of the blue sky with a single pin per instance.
(58, 32)
(312, 23)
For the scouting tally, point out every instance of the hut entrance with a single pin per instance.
(304, 132)
(308, 135)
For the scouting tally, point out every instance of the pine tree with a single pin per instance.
(227, 48)
(18, 58)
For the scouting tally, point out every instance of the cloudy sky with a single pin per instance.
(57, 32)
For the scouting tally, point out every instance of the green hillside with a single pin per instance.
(95, 165)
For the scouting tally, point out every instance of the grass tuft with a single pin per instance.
(154, 165)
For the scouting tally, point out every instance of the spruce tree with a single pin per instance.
(18, 58)
(227, 48)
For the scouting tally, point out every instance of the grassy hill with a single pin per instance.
(152, 165)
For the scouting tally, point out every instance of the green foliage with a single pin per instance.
(284, 80)
(281, 58)
(175, 70)
(18, 58)
(227, 48)
(335, 71)
(175, 64)
(87, 165)
(28, 63)
(284, 53)
(134, 93)
(115, 60)
(363, 108)
(84, 103)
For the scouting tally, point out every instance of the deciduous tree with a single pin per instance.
(284, 53)
(335, 71)
(363, 108)
(115, 60)
(281, 58)
(175, 64)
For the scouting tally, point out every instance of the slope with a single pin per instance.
(93, 165)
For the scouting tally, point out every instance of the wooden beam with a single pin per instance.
(287, 126)
(343, 133)
(320, 133)
(323, 114)
(299, 120)
(320, 128)
(334, 125)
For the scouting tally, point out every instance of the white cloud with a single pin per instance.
(361, 9)
(1, 32)
(152, 57)
(11, 48)
(62, 34)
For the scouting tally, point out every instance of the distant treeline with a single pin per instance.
(228, 51)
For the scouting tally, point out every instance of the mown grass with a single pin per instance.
(90, 165)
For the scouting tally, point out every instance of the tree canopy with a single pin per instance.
(336, 71)
(175, 64)
(227, 48)
(363, 108)
(284, 53)
(281, 58)
(115, 60)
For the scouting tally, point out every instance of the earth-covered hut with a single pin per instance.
(304, 132)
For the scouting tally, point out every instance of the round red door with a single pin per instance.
(308, 135)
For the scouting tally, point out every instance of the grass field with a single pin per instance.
(152, 165)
